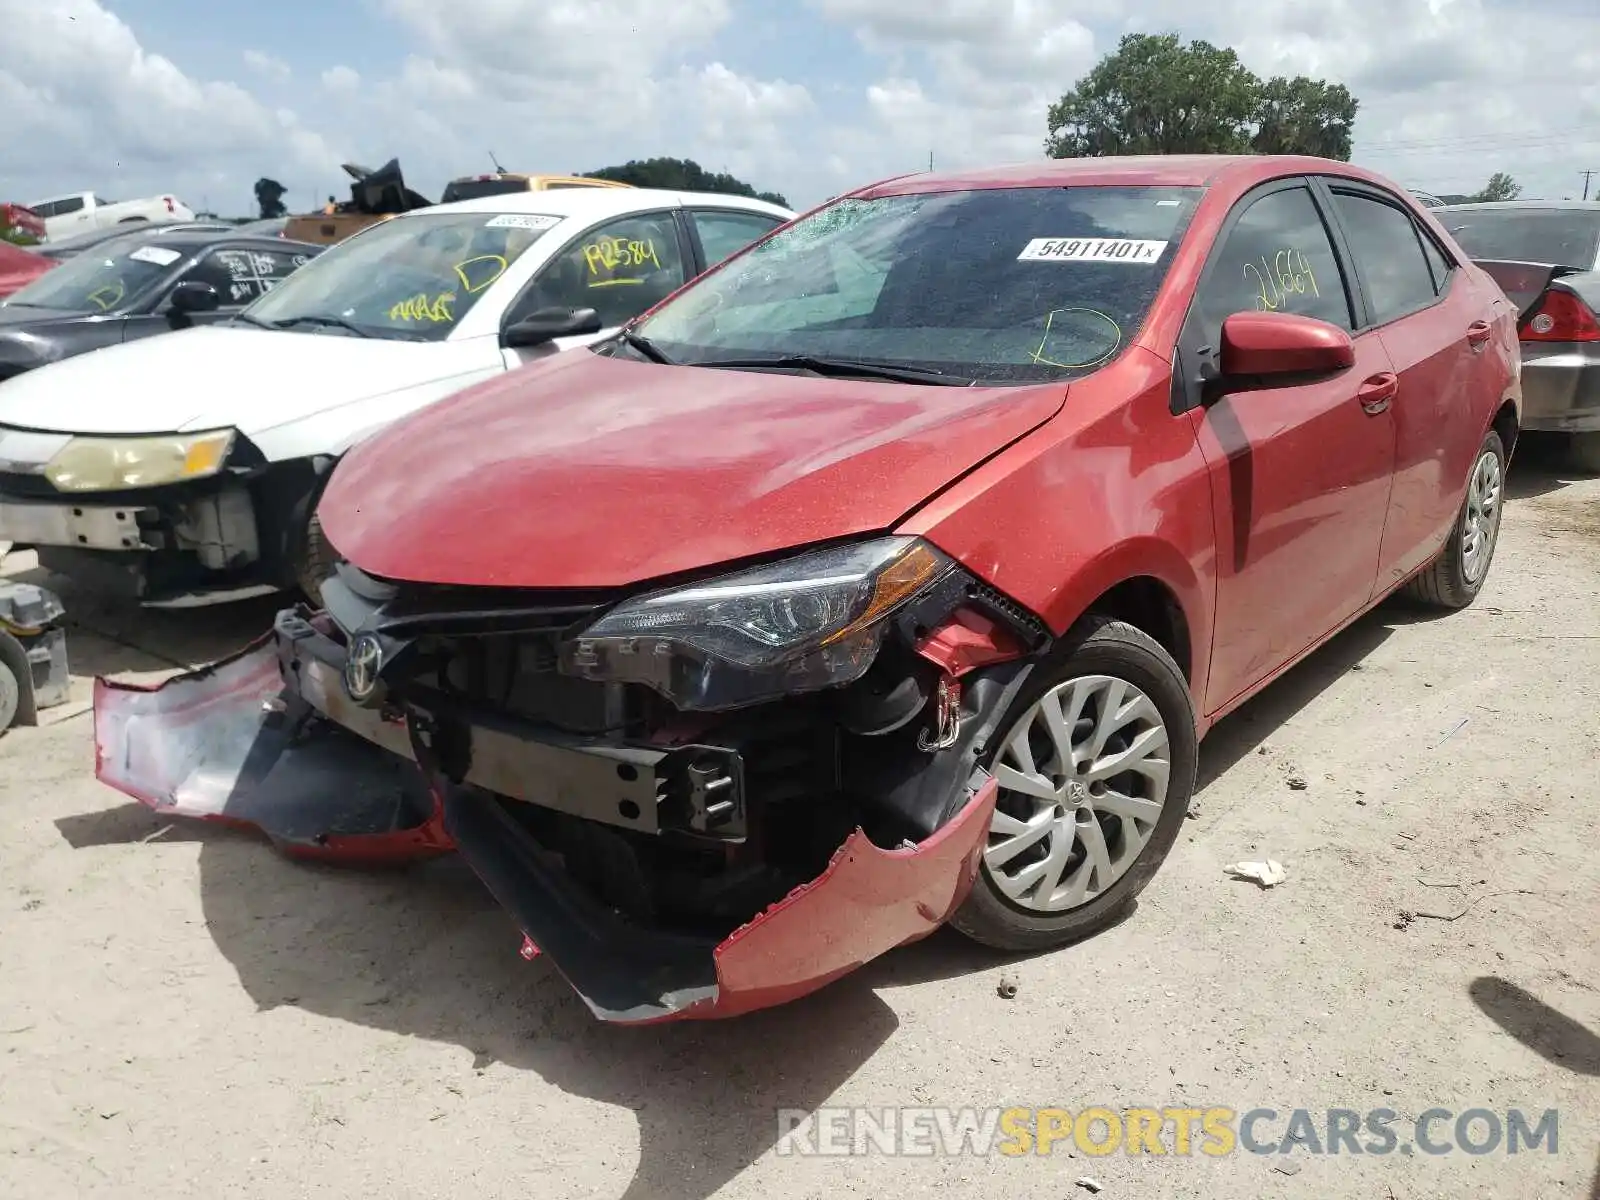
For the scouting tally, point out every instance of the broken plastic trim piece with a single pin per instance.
(231, 743)
(866, 902)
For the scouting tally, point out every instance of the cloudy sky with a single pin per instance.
(201, 97)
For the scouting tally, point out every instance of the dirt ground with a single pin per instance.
(184, 1014)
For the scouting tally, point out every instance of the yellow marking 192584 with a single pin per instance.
(611, 253)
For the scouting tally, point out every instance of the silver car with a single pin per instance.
(1545, 254)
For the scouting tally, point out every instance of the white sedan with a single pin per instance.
(184, 469)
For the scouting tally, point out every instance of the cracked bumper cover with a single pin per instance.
(230, 743)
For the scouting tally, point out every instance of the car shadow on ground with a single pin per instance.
(1540, 466)
(1245, 729)
(1548, 1032)
(425, 952)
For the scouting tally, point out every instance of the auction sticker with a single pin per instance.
(521, 221)
(1122, 250)
(156, 256)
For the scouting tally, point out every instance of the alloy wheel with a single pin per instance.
(1083, 778)
(1482, 520)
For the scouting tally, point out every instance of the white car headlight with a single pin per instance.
(110, 464)
(797, 625)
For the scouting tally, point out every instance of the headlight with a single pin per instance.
(93, 464)
(799, 625)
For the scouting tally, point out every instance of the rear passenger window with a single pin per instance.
(1388, 251)
(723, 234)
(1276, 258)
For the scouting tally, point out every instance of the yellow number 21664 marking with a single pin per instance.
(1280, 279)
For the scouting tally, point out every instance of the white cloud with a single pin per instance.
(86, 106)
(265, 64)
(1450, 90)
(341, 79)
(509, 42)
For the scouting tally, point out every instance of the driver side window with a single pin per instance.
(619, 269)
(1276, 258)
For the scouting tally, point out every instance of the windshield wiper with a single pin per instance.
(325, 322)
(646, 347)
(247, 319)
(843, 368)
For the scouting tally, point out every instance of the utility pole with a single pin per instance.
(1587, 175)
(930, 160)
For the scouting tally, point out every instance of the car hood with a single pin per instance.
(211, 378)
(19, 269)
(586, 471)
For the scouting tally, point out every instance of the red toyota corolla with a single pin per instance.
(886, 576)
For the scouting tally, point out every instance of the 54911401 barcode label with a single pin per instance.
(1115, 250)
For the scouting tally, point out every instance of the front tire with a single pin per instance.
(315, 561)
(1454, 579)
(1096, 767)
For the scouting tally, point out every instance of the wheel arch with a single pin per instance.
(1151, 585)
(1508, 424)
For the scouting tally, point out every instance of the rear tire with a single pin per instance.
(1585, 452)
(1454, 579)
(1104, 842)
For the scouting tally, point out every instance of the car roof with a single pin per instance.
(195, 239)
(1523, 206)
(1148, 170)
(590, 203)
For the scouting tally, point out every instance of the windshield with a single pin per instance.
(107, 277)
(412, 278)
(1559, 236)
(1009, 285)
(476, 189)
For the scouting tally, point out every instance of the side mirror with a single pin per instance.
(547, 324)
(1279, 344)
(192, 296)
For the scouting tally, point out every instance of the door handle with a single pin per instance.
(1478, 334)
(1376, 393)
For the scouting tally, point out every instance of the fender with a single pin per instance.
(1095, 512)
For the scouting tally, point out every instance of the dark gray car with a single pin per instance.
(1545, 254)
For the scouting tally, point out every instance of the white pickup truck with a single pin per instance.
(82, 211)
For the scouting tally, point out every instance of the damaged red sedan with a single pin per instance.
(886, 576)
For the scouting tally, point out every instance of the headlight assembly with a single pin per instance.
(799, 625)
(110, 464)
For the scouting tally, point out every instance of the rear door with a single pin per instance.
(720, 233)
(1435, 326)
(1300, 474)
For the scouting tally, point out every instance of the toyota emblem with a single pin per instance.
(362, 666)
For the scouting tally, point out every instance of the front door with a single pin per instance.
(619, 269)
(1300, 474)
(240, 275)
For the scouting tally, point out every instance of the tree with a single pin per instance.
(269, 195)
(1155, 95)
(1304, 116)
(681, 174)
(1500, 187)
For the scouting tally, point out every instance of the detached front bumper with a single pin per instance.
(269, 739)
